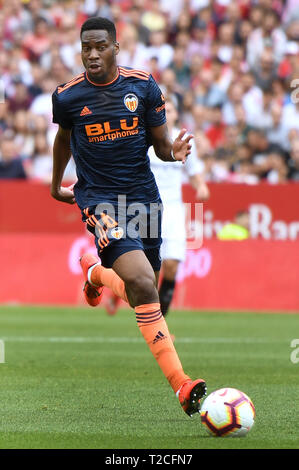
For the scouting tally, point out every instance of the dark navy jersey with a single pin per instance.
(110, 135)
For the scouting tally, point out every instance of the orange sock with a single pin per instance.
(155, 332)
(109, 278)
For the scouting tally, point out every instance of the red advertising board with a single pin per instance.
(28, 207)
(247, 275)
(273, 209)
(41, 241)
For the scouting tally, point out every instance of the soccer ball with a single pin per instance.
(227, 412)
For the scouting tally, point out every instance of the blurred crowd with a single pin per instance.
(231, 67)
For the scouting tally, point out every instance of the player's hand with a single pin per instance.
(65, 194)
(202, 192)
(181, 147)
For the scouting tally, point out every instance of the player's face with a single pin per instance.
(99, 55)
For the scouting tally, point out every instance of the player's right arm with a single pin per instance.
(61, 149)
(61, 157)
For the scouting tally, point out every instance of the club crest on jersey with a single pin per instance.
(131, 102)
(117, 232)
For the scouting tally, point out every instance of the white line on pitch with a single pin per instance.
(121, 339)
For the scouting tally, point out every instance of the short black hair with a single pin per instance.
(97, 22)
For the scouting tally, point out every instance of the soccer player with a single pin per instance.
(169, 177)
(108, 116)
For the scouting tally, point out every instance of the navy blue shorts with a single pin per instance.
(120, 229)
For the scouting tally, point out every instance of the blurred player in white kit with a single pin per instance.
(170, 177)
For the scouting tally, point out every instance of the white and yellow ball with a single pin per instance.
(227, 412)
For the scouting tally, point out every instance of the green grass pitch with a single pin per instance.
(77, 378)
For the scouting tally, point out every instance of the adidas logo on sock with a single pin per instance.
(159, 337)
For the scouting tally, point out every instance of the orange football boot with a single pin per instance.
(190, 394)
(93, 294)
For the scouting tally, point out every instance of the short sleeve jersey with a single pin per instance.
(110, 134)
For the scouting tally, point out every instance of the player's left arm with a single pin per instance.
(167, 150)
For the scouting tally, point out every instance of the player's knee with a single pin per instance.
(142, 289)
(143, 283)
